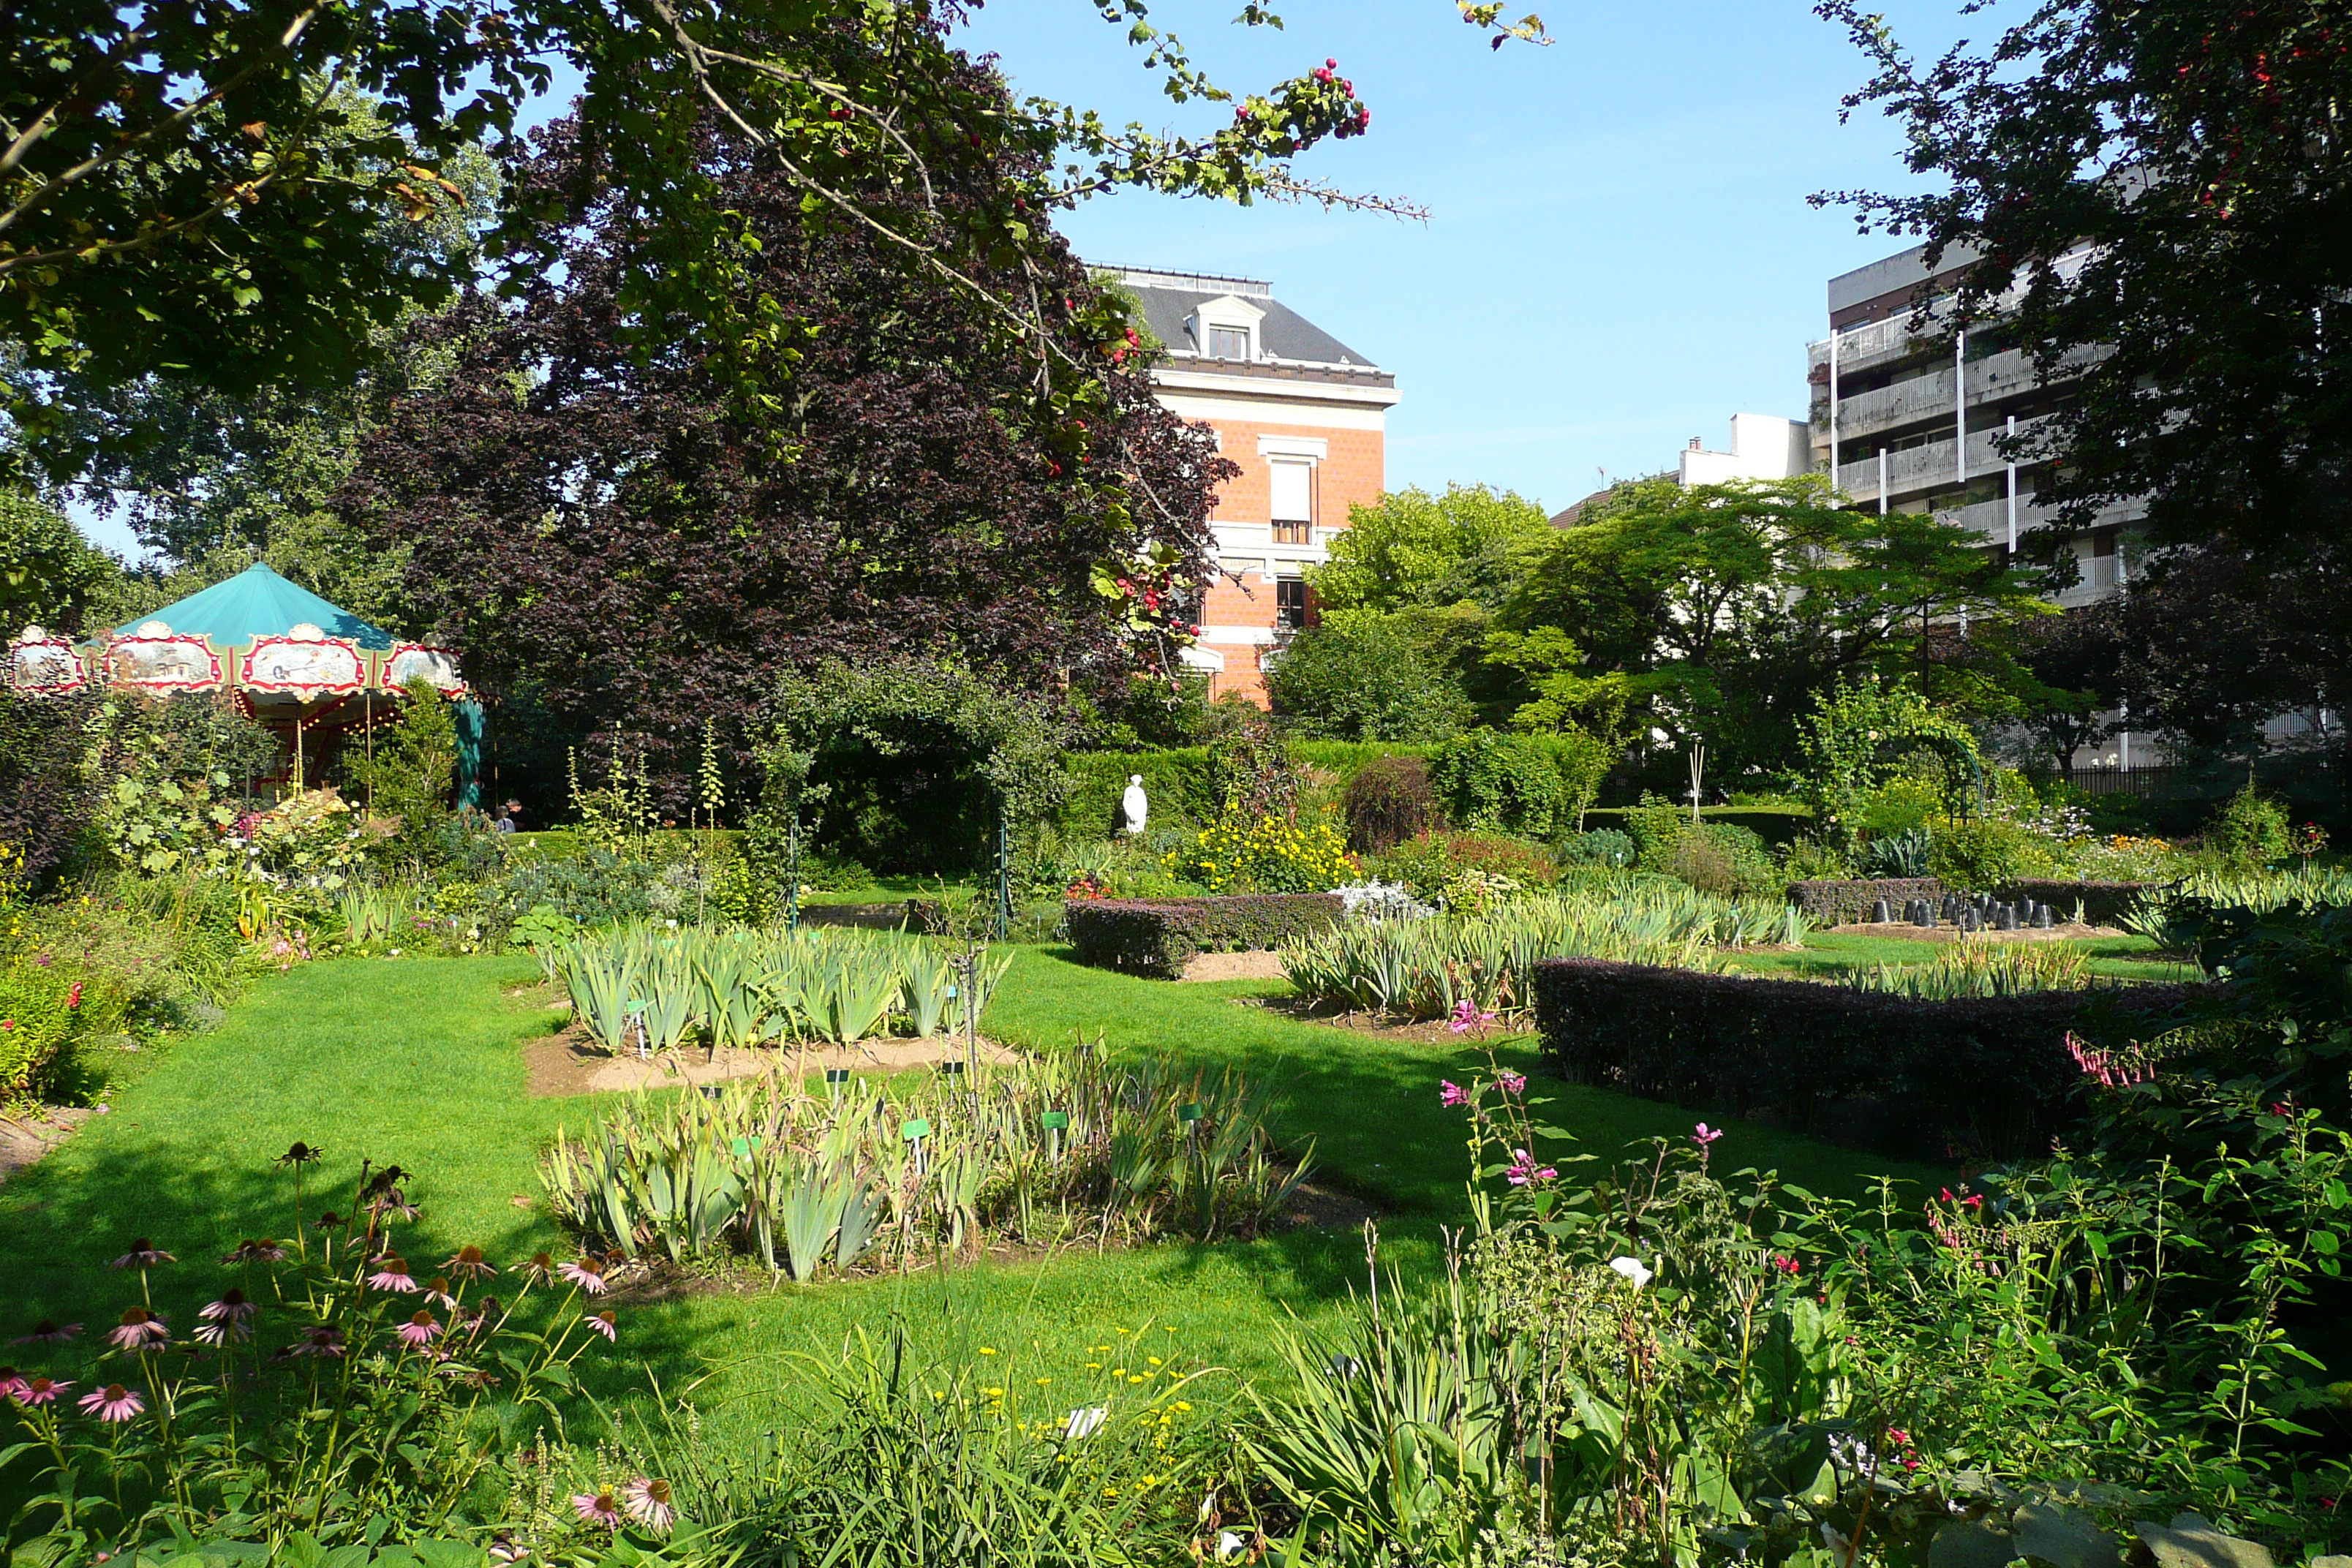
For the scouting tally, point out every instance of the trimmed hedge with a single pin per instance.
(1178, 782)
(1156, 937)
(1928, 1081)
(1844, 903)
(1772, 824)
(2103, 903)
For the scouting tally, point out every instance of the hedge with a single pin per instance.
(906, 914)
(1156, 937)
(2103, 903)
(1772, 824)
(1928, 1081)
(1178, 783)
(1844, 903)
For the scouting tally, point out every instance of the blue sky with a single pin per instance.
(1619, 254)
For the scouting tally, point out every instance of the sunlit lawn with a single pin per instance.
(418, 1062)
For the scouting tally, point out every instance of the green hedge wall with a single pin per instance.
(1179, 783)
(1156, 937)
(1772, 824)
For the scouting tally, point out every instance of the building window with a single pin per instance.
(1293, 511)
(1229, 342)
(1290, 603)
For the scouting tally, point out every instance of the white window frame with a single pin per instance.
(1231, 313)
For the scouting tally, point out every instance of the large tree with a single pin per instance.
(609, 530)
(2157, 202)
(1714, 612)
(184, 192)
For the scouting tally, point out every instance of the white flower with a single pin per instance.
(1631, 1267)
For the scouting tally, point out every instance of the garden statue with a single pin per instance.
(1135, 804)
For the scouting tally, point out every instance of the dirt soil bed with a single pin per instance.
(26, 1139)
(1899, 932)
(571, 1063)
(1233, 966)
(1430, 1032)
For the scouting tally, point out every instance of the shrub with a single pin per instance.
(1990, 1073)
(1844, 903)
(412, 768)
(40, 1014)
(1427, 862)
(1494, 782)
(1156, 938)
(2250, 830)
(1367, 682)
(1264, 855)
(48, 804)
(1810, 859)
(1981, 853)
(1388, 799)
(1722, 859)
(1905, 853)
(1600, 846)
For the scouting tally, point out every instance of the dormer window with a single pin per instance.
(1225, 328)
(1229, 342)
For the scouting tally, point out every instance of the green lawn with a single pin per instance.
(1830, 954)
(417, 1061)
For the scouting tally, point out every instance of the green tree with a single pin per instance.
(1720, 610)
(49, 574)
(1413, 549)
(1366, 681)
(413, 768)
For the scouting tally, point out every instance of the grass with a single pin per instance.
(1827, 954)
(417, 1061)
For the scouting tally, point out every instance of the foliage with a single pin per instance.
(1253, 769)
(1057, 1148)
(1606, 847)
(1430, 863)
(1722, 610)
(321, 1401)
(1854, 735)
(310, 841)
(1982, 853)
(1537, 786)
(741, 540)
(1485, 961)
(2250, 831)
(1992, 1074)
(40, 1015)
(1901, 855)
(48, 801)
(1238, 854)
(1413, 548)
(413, 768)
(1390, 799)
(1980, 966)
(1158, 937)
(1362, 682)
(48, 572)
(1723, 858)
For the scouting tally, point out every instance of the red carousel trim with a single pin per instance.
(47, 687)
(358, 681)
(459, 690)
(191, 639)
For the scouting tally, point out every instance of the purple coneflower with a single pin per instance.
(604, 1323)
(112, 1403)
(507, 1549)
(46, 1333)
(648, 1503)
(140, 1330)
(327, 1221)
(301, 1154)
(597, 1508)
(392, 1274)
(326, 1340)
(420, 1331)
(143, 1256)
(39, 1391)
(470, 1264)
(540, 1270)
(225, 1318)
(587, 1273)
(256, 1249)
(11, 1384)
(437, 1290)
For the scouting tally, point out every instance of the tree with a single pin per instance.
(2076, 660)
(1365, 682)
(409, 771)
(197, 162)
(1414, 549)
(614, 532)
(2158, 200)
(1722, 609)
(49, 574)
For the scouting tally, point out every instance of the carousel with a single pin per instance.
(315, 675)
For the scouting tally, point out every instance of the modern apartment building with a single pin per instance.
(1914, 423)
(1306, 418)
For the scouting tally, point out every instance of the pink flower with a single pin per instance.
(649, 1502)
(604, 1323)
(38, 1391)
(1787, 1266)
(420, 1331)
(587, 1274)
(11, 1384)
(143, 1256)
(392, 1274)
(112, 1403)
(539, 1270)
(507, 1549)
(470, 1264)
(1524, 1169)
(324, 1341)
(140, 1330)
(1510, 1083)
(228, 1318)
(597, 1509)
(47, 1333)
(1705, 1135)
(1452, 1094)
(256, 1249)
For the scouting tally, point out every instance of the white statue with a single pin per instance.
(1135, 804)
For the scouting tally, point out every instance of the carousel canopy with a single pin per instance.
(258, 603)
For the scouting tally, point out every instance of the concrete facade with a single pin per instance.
(1305, 418)
(1763, 446)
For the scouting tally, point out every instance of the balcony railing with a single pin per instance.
(1929, 466)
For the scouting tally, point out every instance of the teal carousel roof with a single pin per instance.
(258, 603)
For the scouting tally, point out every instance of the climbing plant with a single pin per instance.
(1857, 732)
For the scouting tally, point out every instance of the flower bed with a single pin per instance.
(1985, 1074)
(1156, 937)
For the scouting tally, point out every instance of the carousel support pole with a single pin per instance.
(792, 871)
(297, 748)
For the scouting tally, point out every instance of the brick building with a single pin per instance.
(1305, 418)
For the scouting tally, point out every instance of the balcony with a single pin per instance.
(1931, 467)
(2103, 576)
